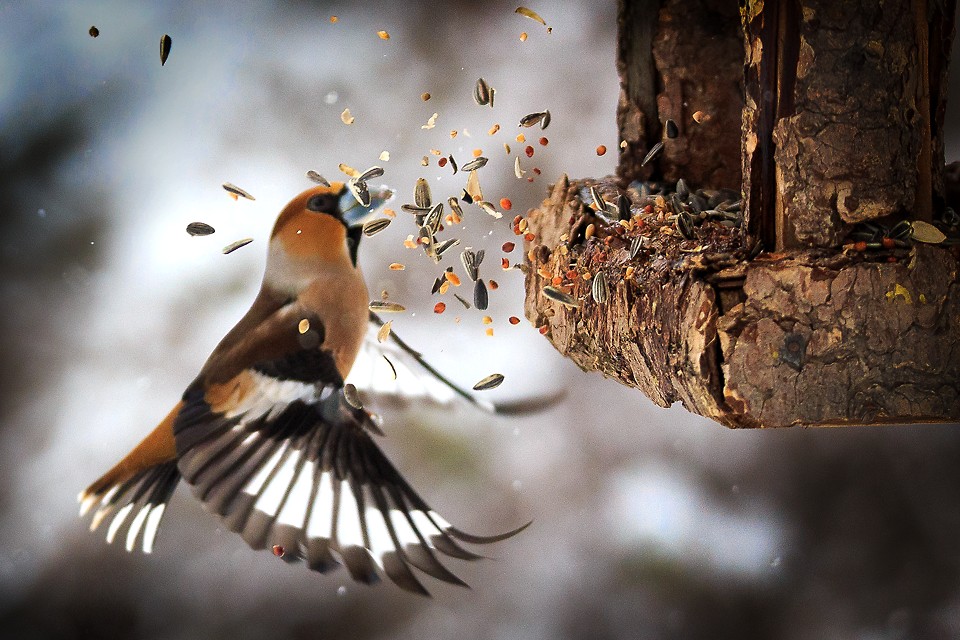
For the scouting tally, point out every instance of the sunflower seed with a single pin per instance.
(493, 92)
(926, 232)
(481, 92)
(316, 177)
(237, 191)
(455, 206)
(682, 189)
(530, 13)
(199, 229)
(652, 154)
(373, 227)
(466, 305)
(412, 208)
(635, 246)
(352, 396)
(165, 43)
(480, 296)
(685, 225)
(598, 201)
(671, 129)
(372, 172)
(445, 245)
(489, 208)
(532, 119)
(386, 307)
(599, 288)
(490, 382)
(473, 187)
(476, 163)
(359, 190)
(546, 120)
(233, 246)
(384, 331)
(559, 296)
(434, 218)
(421, 193)
(471, 266)
(623, 207)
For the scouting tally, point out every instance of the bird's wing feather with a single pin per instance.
(280, 453)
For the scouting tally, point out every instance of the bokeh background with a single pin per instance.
(648, 523)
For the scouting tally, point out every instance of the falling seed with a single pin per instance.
(493, 130)
(546, 120)
(384, 332)
(598, 202)
(487, 320)
(452, 278)
(455, 206)
(652, 154)
(506, 204)
(529, 13)
(517, 171)
(359, 190)
(278, 550)
(559, 296)
(386, 307)
(671, 129)
(477, 163)
(489, 208)
(493, 92)
(471, 262)
(373, 227)
(431, 122)
(425, 161)
(94, 32)
(523, 36)
(473, 187)
(490, 382)
(383, 35)
(424, 96)
(700, 117)
(623, 144)
(508, 247)
(396, 266)
(348, 170)
(444, 246)
(334, 19)
(599, 288)
(385, 156)
(532, 119)
(513, 320)
(481, 92)
(466, 305)
(233, 246)
(453, 163)
(165, 43)
(352, 396)
(303, 326)
(369, 174)
(434, 218)
(480, 297)
(199, 229)
(346, 117)
(506, 148)
(529, 151)
(601, 150)
(440, 307)
(316, 177)
(421, 193)
(237, 191)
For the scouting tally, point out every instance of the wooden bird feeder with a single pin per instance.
(830, 295)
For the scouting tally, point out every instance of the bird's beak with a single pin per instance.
(354, 213)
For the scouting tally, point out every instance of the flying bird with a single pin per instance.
(271, 439)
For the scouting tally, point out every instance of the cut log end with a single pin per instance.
(813, 337)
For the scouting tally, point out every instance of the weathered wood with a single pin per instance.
(675, 58)
(840, 122)
(809, 337)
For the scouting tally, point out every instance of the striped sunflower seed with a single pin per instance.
(476, 163)
(233, 246)
(490, 382)
(373, 227)
(200, 229)
(599, 288)
(559, 296)
(386, 307)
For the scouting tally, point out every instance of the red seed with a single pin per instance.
(544, 329)
(601, 150)
(439, 307)
(508, 247)
(888, 243)
(529, 151)
(278, 550)
(504, 263)
(557, 281)
(529, 237)
(572, 275)
(514, 320)
(860, 246)
(505, 204)
(544, 142)
(493, 285)
(536, 170)
(442, 162)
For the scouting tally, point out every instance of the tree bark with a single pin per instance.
(788, 313)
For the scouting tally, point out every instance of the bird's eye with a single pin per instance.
(322, 203)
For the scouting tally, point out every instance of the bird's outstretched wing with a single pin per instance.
(287, 459)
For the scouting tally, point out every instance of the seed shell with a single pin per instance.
(237, 191)
(373, 227)
(165, 43)
(346, 117)
(233, 246)
(530, 13)
(359, 190)
(532, 119)
(372, 172)
(490, 382)
(652, 154)
(316, 177)
(455, 206)
(384, 332)
(386, 307)
(546, 120)
(421, 194)
(559, 296)
(480, 296)
(517, 171)
(199, 229)
(476, 163)
(481, 92)
(489, 208)
(671, 129)
(352, 396)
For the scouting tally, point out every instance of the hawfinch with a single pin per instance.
(266, 437)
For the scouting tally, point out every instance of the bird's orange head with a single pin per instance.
(313, 225)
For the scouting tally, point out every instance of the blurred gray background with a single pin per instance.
(648, 523)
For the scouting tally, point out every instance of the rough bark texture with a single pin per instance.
(839, 97)
(811, 337)
(677, 58)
